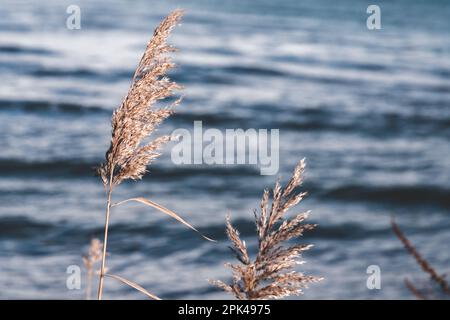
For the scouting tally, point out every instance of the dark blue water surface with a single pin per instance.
(370, 111)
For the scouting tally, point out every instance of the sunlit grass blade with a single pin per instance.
(166, 211)
(133, 285)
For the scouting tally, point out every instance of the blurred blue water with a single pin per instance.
(370, 110)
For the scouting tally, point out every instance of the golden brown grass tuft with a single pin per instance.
(271, 274)
(135, 119)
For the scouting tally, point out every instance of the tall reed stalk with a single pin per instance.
(135, 119)
(105, 238)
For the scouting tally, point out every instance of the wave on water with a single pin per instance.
(41, 106)
(15, 49)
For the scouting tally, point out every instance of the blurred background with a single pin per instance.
(370, 111)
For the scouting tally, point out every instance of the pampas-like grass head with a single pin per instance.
(135, 119)
(271, 274)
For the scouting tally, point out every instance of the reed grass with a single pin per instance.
(421, 293)
(134, 121)
(271, 275)
(90, 260)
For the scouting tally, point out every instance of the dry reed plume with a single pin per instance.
(421, 293)
(93, 256)
(271, 274)
(135, 119)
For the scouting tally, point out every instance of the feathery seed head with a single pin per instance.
(271, 275)
(136, 118)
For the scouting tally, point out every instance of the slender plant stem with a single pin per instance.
(89, 284)
(105, 240)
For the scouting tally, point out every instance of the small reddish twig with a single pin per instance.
(420, 260)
